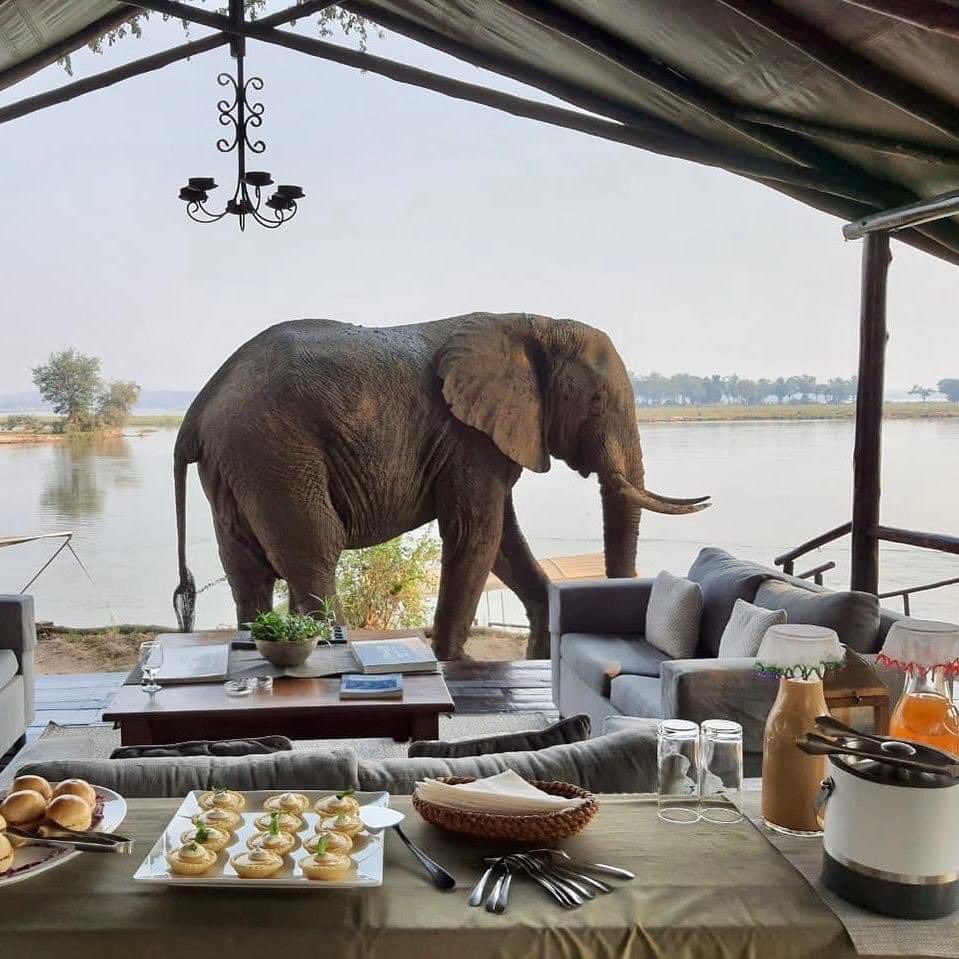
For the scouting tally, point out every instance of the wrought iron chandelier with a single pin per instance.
(243, 115)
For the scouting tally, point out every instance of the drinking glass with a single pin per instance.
(151, 659)
(678, 765)
(721, 771)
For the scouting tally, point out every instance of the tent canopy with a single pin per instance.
(849, 106)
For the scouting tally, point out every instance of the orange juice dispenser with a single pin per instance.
(928, 653)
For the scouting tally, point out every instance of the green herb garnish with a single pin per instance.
(345, 793)
(320, 846)
(340, 816)
(192, 846)
(201, 834)
(274, 829)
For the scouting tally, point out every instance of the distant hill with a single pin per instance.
(151, 401)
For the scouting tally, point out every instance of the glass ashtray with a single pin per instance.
(238, 687)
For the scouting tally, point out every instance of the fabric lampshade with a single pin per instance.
(921, 644)
(798, 650)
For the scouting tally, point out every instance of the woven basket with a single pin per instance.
(537, 828)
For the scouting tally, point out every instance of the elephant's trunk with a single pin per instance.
(624, 496)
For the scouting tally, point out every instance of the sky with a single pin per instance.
(417, 207)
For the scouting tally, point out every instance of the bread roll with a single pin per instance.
(77, 787)
(3, 824)
(22, 806)
(70, 812)
(6, 854)
(36, 783)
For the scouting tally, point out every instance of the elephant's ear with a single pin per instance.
(491, 382)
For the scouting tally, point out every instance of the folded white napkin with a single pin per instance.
(505, 794)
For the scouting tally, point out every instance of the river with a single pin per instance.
(774, 484)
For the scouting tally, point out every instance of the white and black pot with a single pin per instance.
(891, 837)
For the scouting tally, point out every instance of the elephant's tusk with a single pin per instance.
(678, 500)
(644, 499)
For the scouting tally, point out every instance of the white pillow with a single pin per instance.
(672, 617)
(746, 627)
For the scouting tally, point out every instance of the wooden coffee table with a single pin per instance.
(298, 708)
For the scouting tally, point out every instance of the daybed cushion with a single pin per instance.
(573, 729)
(637, 696)
(723, 579)
(673, 614)
(853, 615)
(142, 778)
(207, 747)
(622, 762)
(597, 658)
(746, 627)
(8, 666)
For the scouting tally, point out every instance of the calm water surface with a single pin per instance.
(774, 485)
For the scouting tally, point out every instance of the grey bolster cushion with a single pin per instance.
(573, 729)
(620, 762)
(599, 606)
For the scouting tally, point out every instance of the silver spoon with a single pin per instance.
(476, 896)
(378, 818)
(586, 866)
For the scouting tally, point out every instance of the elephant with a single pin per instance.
(318, 436)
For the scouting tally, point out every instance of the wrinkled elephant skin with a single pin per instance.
(318, 436)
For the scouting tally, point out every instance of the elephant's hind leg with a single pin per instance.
(517, 567)
(248, 571)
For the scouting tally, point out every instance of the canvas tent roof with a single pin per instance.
(847, 105)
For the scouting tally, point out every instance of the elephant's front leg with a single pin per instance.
(471, 539)
(517, 567)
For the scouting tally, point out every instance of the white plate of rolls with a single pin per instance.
(34, 804)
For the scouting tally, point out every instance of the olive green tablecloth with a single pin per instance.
(701, 890)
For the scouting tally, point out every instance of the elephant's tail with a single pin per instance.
(184, 596)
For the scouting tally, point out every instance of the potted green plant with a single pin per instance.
(287, 639)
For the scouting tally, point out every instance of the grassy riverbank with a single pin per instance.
(799, 411)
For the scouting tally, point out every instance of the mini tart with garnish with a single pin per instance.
(286, 822)
(337, 842)
(207, 836)
(6, 852)
(191, 859)
(279, 842)
(257, 864)
(325, 865)
(342, 822)
(293, 803)
(339, 802)
(221, 799)
(224, 819)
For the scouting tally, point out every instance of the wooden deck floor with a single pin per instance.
(80, 699)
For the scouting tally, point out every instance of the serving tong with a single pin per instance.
(565, 879)
(834, 738)
(82, 841)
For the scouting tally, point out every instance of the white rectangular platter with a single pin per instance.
(367, 854)
(29, 860)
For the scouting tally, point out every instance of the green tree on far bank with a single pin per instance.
(950, 389)
(70, 382)
(922, 391)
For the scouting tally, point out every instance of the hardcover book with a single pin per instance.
(371, 687)
(405, 655)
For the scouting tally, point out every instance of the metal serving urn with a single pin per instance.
(891, 834)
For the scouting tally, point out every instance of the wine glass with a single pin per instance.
(151, 659)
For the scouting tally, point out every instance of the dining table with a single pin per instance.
(700, 890)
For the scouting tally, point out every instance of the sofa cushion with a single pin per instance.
(853, 615)
(597, 658)
(723, 579)
(142, 778)
(621, 762)
(573, 729)
(637, 696)
(8, 666)
(673, 615)
(207, 747)
(746, 627)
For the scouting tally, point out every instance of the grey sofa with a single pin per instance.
(620, 762)
(602, 666)
(18, 638)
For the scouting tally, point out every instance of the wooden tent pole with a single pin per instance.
(155, 61)
(867, 457)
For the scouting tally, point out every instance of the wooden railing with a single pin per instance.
(888, 534)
